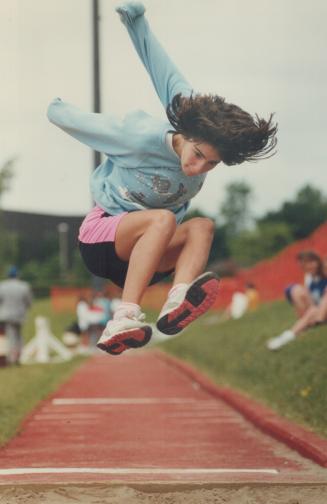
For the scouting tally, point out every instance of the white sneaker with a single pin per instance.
(120, 335)
(184, 306)
(281, 340)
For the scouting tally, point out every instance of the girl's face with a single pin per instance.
(310, 266)
(197, 157)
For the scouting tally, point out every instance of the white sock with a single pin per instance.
(289, 335)
(127, 310)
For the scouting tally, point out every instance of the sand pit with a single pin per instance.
(101, 494)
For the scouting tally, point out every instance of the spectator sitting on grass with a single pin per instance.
(253, 296)
(304, 296)
(310, 300)
(242, 302)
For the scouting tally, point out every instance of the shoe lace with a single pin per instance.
(133, 316)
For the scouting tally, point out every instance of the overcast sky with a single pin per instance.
(264, 55)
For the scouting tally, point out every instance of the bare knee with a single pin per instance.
(299, 293)
(299, 290)
(312, 316)
(163, 220)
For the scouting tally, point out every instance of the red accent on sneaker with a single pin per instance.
(211, 289)
(133, 338)
(199, 298)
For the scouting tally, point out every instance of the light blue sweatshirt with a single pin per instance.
(141, 170)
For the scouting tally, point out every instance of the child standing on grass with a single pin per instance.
(134, 236)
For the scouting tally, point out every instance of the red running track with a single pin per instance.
(139, 419)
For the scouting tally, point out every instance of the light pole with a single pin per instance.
(96, 281)
(96, 69)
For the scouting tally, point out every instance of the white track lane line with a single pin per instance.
(129, 400)
(125, 470)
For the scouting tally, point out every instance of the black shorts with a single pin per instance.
(101, 260)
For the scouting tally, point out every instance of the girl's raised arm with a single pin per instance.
(101, 132)
(166, 78)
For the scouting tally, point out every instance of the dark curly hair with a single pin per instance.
(234, 133)
(308, 256)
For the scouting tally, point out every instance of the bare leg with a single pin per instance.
(142, 238)
(189, 249)
(322, 309)
(306, 321)
(150, 241)
(301, 299)
(314, 315)
(309, 318)
(192, 295)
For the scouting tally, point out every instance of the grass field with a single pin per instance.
(293, 381)
(21, 388)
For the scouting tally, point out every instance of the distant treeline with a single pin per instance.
(246, 240)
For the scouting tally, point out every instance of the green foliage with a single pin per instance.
(235, 209)
(271, 233)
(6, 174)
(79, 275)
(292, 381)
(304, 214)
(8, 250)
(220, 247)
(265, 240)
(41, 275)
(9, 241)
(39, 250)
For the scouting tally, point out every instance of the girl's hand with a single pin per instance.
(129, 11)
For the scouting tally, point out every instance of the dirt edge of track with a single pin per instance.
(164, 494)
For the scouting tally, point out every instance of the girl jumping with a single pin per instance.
(134, 236)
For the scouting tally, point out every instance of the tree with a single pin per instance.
(9, 241)
(235, 209)
(220, 245)
(304, 214)
(79, 275)
(6, 174)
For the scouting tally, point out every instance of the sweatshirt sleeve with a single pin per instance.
(101, 132)
(167, 79)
